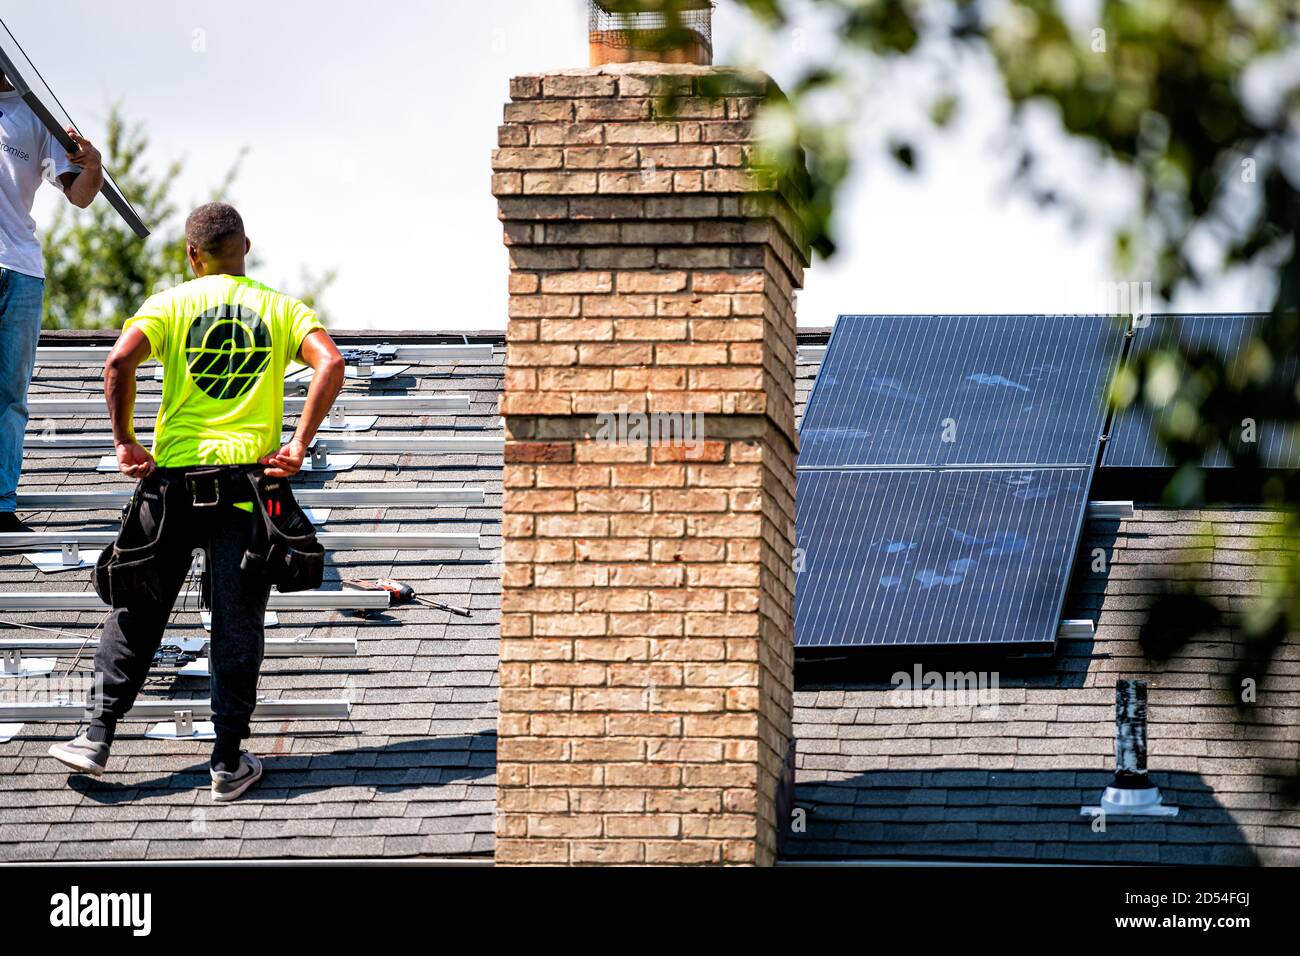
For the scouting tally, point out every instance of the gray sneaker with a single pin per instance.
(230, 785)
(82, 754)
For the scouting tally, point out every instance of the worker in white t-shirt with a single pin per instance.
(28, 154)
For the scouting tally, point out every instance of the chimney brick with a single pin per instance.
(647, 609)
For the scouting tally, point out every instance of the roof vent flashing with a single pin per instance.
(1131, 793)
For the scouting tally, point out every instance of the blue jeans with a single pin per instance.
(21, 297)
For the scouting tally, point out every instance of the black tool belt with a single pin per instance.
(207, 486)
(127, 573)
(282, 550)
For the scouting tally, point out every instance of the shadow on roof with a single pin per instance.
(1008, 816)
(392, 768)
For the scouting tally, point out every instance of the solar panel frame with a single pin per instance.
(1065, 450)
(1132, 442)
(25, 78)
(1058, 339)
(846, 611)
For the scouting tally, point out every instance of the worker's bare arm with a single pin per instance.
(318, 351)
(82, 187)
(130, 352)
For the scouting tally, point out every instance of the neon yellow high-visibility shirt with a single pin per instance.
(224, 343)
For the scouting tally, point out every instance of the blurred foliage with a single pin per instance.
(98, 271)
(1198, 101)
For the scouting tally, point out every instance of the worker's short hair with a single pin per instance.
(216, 229)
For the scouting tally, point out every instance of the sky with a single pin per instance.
(369, 130)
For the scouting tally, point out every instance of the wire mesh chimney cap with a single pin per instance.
(629, 17)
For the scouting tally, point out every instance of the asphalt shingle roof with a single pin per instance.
(879, 780)
(412, 772)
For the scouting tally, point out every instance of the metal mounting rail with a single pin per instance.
(348, 600)
(308, 497)
(73, 354)
(275, 646)
(396, 444)
(1076, 629)
(1110, 510)
(411, 354)
(325, 444)
(325, 709)
(438, 354)
(331, 541)
(395, 541)
(39, 408)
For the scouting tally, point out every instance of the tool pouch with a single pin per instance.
(284, 550)
(127, 572)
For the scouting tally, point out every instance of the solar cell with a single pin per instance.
(1133, 442)
(935, 557)
(961, 390)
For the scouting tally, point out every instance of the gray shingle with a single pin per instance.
(413, 771)
(1020, 787)
(423, 685)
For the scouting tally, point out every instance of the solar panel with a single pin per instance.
(1133, 442)
(932, 557)
(36, 93)
(961, 390)
(943, 478)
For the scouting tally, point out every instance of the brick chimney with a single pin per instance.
(647, 634)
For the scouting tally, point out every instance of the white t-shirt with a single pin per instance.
(26, 148)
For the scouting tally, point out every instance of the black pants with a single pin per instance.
(133, 633)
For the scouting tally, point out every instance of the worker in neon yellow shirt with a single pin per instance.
(215, 479)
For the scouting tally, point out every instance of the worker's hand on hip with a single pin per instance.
(134, 460)
(285, 462)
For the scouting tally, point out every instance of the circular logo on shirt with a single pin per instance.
(227, 350)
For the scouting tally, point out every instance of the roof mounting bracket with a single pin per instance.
(182, 727)
(198, 668)
(334, 463)
(1110, 510)
(339, 420)
(68, 558)
(1077, 629)
(15, 666)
